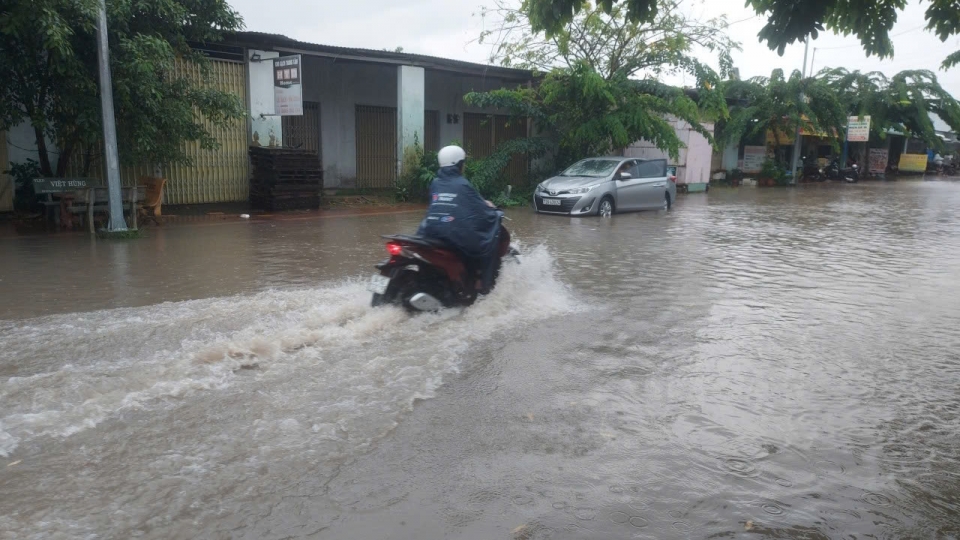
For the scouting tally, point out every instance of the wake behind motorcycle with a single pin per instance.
(423, 274)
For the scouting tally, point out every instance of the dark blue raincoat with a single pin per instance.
(459, 216)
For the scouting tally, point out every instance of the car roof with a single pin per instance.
(622, 158)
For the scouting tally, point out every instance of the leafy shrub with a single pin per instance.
(418, 170)
(23, 174)
(772, 170)
(486, 174)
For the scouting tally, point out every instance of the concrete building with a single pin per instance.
(361, 108)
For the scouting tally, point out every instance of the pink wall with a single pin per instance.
(693, 165)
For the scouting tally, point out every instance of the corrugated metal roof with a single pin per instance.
(939, 124)
(277, 42)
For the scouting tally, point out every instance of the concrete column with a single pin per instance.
(410, 107)
(265, 128)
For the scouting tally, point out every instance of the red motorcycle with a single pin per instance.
(423, 274)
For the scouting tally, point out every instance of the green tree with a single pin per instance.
(610, 43)
(772, 105)
(601, 93)
(579, 112)
(903, 102)
(788, 21)
(48, 58)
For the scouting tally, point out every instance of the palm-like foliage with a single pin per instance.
(903, 102)
(773, 105)
(581, 113)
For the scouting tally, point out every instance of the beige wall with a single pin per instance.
(216, 175)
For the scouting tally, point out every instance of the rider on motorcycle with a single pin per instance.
(459, 216)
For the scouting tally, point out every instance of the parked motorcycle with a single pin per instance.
(945, 167)
(849, 174)
(812, 172)
(424, 274)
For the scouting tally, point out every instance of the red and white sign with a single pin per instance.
(288, 86)
(878, 160)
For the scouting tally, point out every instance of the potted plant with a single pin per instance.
(772, 174)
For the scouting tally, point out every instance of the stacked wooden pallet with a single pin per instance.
(285, 179)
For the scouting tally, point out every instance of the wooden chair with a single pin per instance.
(150, 206)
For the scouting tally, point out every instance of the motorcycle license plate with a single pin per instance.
(378, 284)
(551, 202)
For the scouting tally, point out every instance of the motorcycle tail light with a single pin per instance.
(394, 249)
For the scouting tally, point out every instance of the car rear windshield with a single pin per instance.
(594, 168)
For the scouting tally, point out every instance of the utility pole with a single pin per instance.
(796, 141)
(116, 222)
(846, 139)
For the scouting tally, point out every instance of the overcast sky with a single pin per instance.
(446, 28)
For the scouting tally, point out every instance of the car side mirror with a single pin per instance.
(625, 176)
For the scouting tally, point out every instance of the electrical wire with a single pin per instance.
(743, 20)
(860, 44)
(31, 150)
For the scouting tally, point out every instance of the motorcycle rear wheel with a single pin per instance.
(397, 283)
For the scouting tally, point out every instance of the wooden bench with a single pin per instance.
(80, 196)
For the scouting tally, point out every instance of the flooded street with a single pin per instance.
(755, 363)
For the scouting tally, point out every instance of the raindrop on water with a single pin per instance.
(771, 508)
(876, 499)
(740, 467)
(522, 499)
(619, 517)
(585, 514)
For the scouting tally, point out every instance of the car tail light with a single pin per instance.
(673, 179)
(394, 249)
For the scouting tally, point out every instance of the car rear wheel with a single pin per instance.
(606, 208)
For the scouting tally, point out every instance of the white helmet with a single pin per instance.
(449, 156)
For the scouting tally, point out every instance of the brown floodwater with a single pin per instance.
(752, 364)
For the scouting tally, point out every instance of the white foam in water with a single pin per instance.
(352, 367)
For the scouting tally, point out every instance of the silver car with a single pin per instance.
(603, 186)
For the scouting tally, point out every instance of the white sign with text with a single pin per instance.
(858, 130)
(288, 86)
